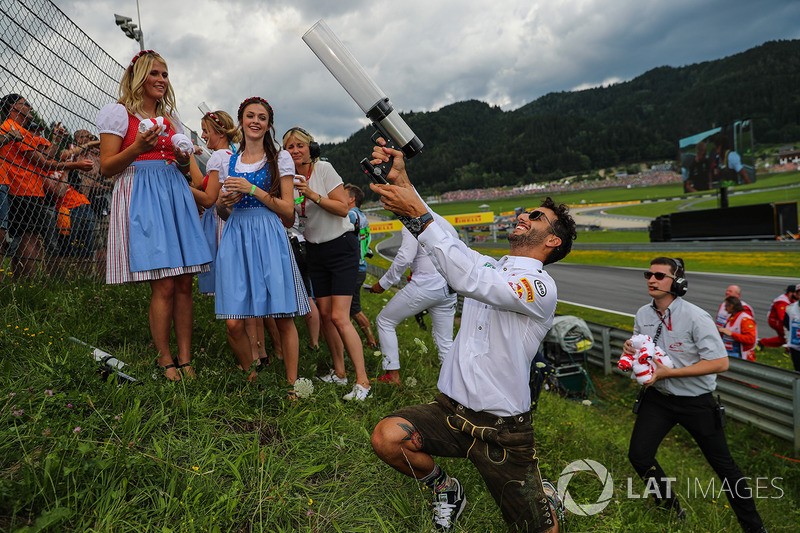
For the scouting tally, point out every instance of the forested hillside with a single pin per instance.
(471, 144)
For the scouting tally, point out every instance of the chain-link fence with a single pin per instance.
(54, 203)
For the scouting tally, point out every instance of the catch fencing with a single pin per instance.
(57, 218)
(55, 223)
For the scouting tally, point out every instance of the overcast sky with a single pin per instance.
(424, 54)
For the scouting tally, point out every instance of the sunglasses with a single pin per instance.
(536, 215)
(658, 275)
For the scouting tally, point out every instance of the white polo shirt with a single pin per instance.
(688, 334)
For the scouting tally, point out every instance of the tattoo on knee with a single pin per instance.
(412, 435)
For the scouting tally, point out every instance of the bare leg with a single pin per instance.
(363, 323)
(340, 316)
(397, 443)
(237, 338)
(290, 344)
(162, 295)
(255, 337)
(332, 337)
(313, 323)
(275, 336)
(183, 315)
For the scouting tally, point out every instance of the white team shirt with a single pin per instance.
(508, 309)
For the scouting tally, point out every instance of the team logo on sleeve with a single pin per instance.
(518, 288)
(540, 288)
(528, 289)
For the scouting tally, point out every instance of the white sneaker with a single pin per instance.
(358, 393)
(331, 377)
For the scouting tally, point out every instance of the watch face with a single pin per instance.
(414, 225)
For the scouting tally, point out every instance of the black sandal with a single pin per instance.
(167, 367)
(184, 365)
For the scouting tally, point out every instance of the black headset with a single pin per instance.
(679, 285)
(313, 146)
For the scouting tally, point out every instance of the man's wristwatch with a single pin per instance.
(415, 225)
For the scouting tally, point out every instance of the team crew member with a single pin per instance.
(683, 395)
(722, 314)
(739, 333)
(426, 290)
(483, 411)
(775, 317)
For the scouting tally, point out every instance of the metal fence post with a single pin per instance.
(796, 414)
(606, 336)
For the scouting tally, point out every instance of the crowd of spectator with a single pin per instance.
(642, 179)
(52, 196)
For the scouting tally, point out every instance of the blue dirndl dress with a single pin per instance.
(256, 274)
(164, 232)
(211, 223)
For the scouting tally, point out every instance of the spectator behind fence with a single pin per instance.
(26, 164)
(92, 183)
(154, 232)
(256, 273)
(74, 236)
(355, 197)
(775, 316)
(332, 254)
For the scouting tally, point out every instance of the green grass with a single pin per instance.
(612, 236)
(217, 454)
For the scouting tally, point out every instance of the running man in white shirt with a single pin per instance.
(426, 290)
(483, 411)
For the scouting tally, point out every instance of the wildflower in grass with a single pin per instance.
(48, 392)
(411, 381)
(46, 432)
(422, 347)
(377, 353)
(303, 388)
(69, 406)
(586, 402)
(13, 394)
(195, 468)
(77, 430)
(19, 412)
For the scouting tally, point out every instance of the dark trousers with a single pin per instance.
(658, 414)
(795, 358)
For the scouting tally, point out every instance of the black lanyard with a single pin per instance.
(662, 324)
